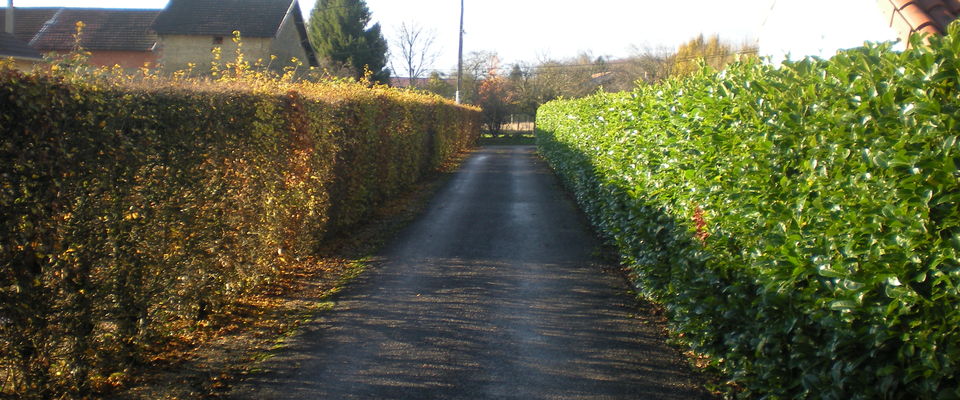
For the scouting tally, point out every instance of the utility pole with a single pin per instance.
(459, 57)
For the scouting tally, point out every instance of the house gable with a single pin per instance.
(253, 18)
(292, 40)
(190, 29)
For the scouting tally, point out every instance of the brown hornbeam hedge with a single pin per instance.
(127, 209)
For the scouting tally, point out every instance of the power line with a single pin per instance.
(766, 19)
(673, 58)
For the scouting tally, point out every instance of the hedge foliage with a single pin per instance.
(800, 223)
(132, 210)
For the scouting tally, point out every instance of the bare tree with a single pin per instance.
(645, 65)
(477, 67)
(712, 51)
(415, 44)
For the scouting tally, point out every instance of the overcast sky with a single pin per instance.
(531, 30)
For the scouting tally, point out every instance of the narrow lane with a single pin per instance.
(495, 292)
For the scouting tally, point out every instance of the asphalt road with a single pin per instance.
(495, 292)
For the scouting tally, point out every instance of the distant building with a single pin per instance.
(421, 83)
(189, 30)
(601, 78)
(183, 33)
(397, 81)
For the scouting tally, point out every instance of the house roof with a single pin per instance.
(53, 29)
(925, 16)
(253, 18)
(27, 21)
(10, 46)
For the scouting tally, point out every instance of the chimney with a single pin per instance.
(9, 21)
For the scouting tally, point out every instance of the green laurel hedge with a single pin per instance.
(131, 210)
(801, 224)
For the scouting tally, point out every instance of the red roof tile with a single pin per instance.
(52, 29)
(27, 21)
(925, 16)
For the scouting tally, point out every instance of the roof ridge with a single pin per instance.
(84, 8)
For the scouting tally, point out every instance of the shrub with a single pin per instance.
(131, 211)
(801, 224)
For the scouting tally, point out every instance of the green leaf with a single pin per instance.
(843, 305)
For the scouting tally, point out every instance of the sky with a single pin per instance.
(536, 30)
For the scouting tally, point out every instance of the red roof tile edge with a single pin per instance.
(925, 16)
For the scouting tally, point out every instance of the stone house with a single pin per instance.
(189, 30)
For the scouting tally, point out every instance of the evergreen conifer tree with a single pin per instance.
(338, 31)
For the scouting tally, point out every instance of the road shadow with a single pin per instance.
(496, 292)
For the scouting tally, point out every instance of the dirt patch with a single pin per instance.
(232, 345)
